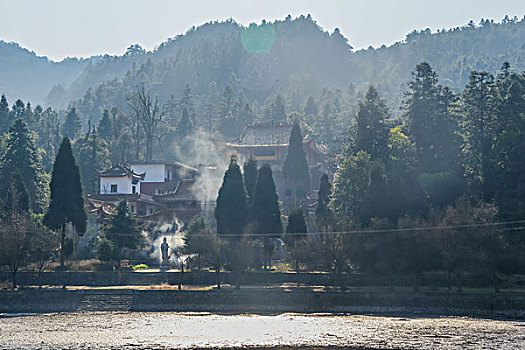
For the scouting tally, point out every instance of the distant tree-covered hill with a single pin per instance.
(295, 58)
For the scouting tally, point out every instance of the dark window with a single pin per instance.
(113, 188)
(133, 189)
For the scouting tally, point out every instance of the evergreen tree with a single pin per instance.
(17, 196)
(375, 202)
(72, 124)
(430, 125)
(295, 236)
(322, 211)
(509, 148)
(279, 110)
(297, 222)
(311, 107)
(295, 168)
(123, 230)
(250, 177)
(188, 102)
(350, 184)
(266, 210)
(5, 117)
(185, 125)
(67, 200)
(371, 128)
(92, 155)
(479, 129)
(21, 156)
(231, 210)
(105, 127)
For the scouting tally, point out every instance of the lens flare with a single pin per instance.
(258, 39)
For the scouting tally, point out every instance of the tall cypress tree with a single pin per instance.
(295, 168)
(67, 200)
(231, 210)
(322, 211)
(250, 176)
(266, 210)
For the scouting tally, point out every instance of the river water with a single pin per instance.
(167, 330)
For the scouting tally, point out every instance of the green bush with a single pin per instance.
(140, 267)
(105, 250)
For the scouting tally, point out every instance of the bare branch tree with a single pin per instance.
(147, 112)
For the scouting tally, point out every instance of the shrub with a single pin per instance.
(105, 250)
(140, 267)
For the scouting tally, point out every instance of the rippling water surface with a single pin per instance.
(117, 330)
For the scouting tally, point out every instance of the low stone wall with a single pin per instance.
(119, 278)
(278, 301)
(40, 301)
(456, 304)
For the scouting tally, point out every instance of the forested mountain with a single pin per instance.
(297, 59)
(25, 75)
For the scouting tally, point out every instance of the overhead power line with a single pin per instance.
(378, 231)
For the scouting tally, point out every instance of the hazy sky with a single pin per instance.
(61, 28)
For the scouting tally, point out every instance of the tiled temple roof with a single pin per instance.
(120, 170)
(264, 134)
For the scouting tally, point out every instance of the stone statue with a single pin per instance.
(164, 250)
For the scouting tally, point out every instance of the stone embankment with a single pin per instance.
(260, 300)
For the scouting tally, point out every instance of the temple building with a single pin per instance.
(150, 187)
(268, 143)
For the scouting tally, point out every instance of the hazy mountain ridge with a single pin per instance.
(303, 60)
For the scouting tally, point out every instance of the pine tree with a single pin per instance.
(5, 117)
(67, 200)
(371, 128)
(231, 210)
(123, 230)
(92, 155)
(430, 124)
(105, 127)
(295, 168)
(185, 125)
(279, 110)
(266, 210)
(21, 156)
(509, 146)
(72, 124)
(311, 107)
(187, 101)
(250, 177)
(479, 107)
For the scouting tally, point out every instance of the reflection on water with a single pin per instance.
(174, 330)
